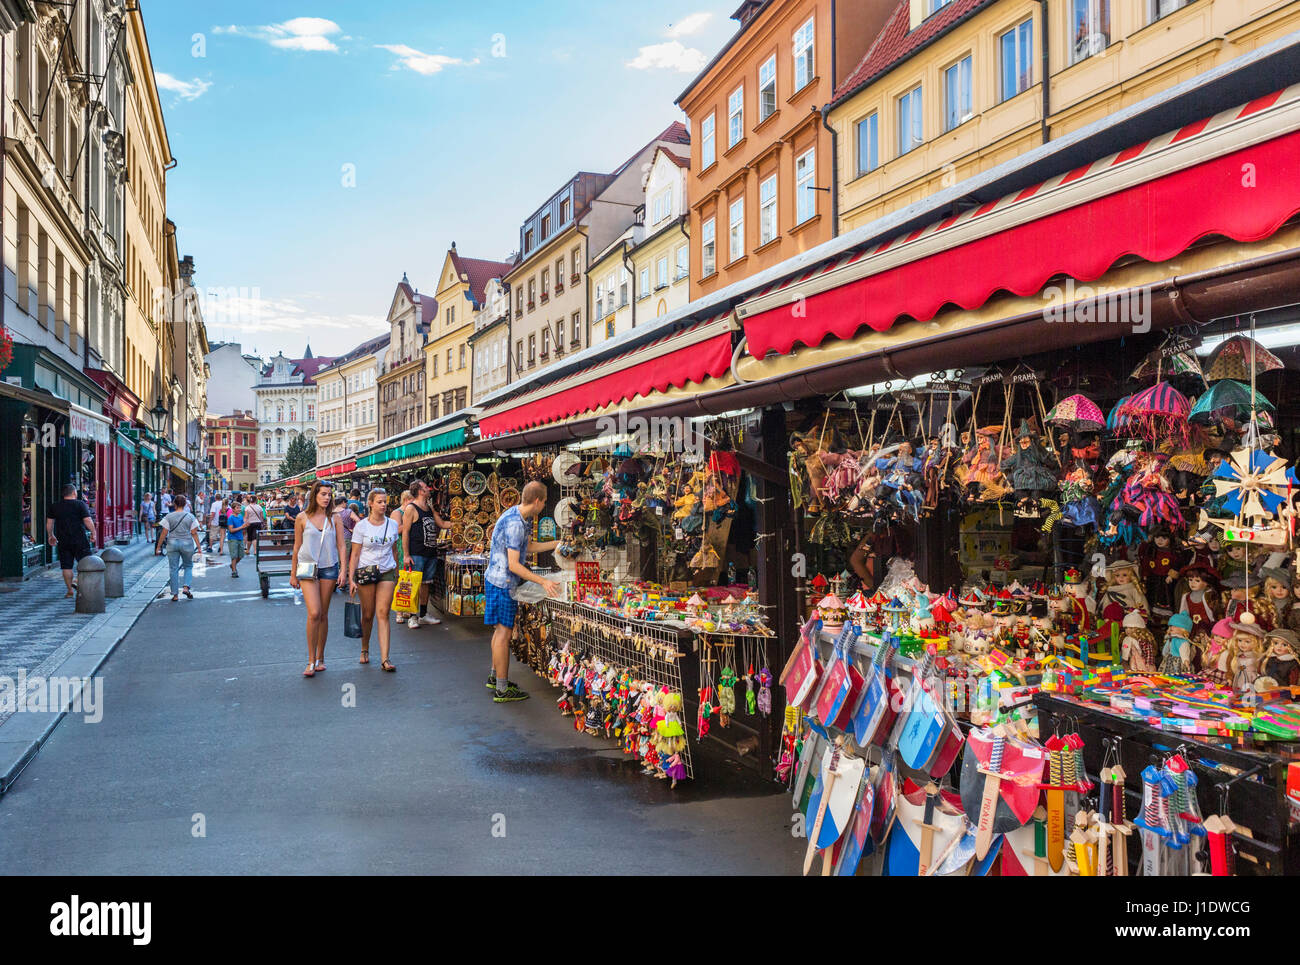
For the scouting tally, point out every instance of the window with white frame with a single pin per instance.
(767, 210)
(683, 262)
(736, 116)
(643, 284)
(661, 273)
(805, 184)
(1015, 47)
(767, 89)
(868, 143)
(736, 229)
(937, 5)
(909, 121)
(707, 147)
(1089, 28)
(803, 56)
(708, 248)
(957, 95)
(661, 206)
(1162, 8)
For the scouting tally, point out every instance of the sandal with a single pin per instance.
(309, 672)
(388, 666)
(365, 657)
(188, 594)
(320, 665)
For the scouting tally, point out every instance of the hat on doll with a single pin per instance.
(1181, 621)
(1134, 621)
(1073, 575)
(1276, 573)
(1284, 634)
(1201, 564)
(1117, 565)
(1025, 430)
(1237, 581)
(1247, 624)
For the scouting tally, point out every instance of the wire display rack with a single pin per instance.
(462, 591)
(651, 652)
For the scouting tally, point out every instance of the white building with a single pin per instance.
(348, 417)
(232, 376)
(490, 341)
(286, 394)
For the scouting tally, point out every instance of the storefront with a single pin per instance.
(115, 461)
(33, 468)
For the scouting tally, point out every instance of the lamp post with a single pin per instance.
(158, 414)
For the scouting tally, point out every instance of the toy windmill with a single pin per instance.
(1257, 487)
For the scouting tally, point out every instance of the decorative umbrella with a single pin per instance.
(1183, 369)
(1115, 422)
(1078, 412)
(1155, 413)
(1233, 360)
(1228, 399)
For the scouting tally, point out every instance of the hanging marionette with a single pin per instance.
(670, 734)
(979, 472)
(726, 696)
(1031, 470)
(1176, 654)
(901, 480)
(765, 681)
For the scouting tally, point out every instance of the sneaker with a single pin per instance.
(413, 622)
(511, 693)
(429, 621)
(492, 682)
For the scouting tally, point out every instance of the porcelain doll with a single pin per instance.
(1246, 645)
(1239, 599)
(1201, 601)
(1138, 645)
(1159, 561)
(1274, 596)
(1216, 653)
(1031, 470)
(1176, 654)
(1122, 593)
(1281, 667)
(1235, 559)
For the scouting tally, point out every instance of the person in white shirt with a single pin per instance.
(372, 572)
(166, 501)
(216, 535)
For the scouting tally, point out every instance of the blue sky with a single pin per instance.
(448, 140)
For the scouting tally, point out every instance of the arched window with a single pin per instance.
(279, 413)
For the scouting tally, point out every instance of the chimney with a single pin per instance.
(187, 268)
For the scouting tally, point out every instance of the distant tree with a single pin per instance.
(299, 458)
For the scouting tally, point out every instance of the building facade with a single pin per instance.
(348, 416)
(645, 273)
(232, 376)
(761, 173)
(401, 374)
(231, 442)
(462, 293)
(287, 397)
(949, 93)
(489, 343)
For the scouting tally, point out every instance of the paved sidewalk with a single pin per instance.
(42, 636)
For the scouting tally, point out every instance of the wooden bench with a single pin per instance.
(274, 556)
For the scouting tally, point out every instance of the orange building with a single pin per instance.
(761, 162)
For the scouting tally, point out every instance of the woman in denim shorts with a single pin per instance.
(318, 550)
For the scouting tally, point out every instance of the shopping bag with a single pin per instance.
(406, 597)
(352, 620)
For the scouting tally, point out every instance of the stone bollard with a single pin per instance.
(90, 585)
(113, 585)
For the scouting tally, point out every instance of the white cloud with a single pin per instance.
(668, 56)
(246, 313)
(300, 33)
(420, 62)
(187, 90)
(691, 24)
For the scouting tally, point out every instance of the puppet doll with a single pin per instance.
(901, 480)
(1158, 561)
(1122, 591)
(1031, 470)
(979, 471)
(1176, 654)
(1280, 667)
(670, 734)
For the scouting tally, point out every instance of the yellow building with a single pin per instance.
(448, 359)
(949, 90)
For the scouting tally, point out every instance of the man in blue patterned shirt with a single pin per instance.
(510, 543)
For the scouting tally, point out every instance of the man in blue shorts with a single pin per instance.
(510, 543)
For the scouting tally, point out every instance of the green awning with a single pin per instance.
(124, 442)
(442, 442)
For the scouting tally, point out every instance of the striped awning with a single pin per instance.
(415, 449)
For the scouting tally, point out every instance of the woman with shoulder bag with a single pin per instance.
(317, 553)
(373, 572)
(182, 532)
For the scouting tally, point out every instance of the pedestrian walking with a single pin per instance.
(510, 544)
(149, 518)
(372, 572)
(420, 526)
(235, 527)
(216, 528)
(291, 511)
(344, 519)
(318, 550)
(165, 501)
(180, 528)
(254, 517)
(70, 529)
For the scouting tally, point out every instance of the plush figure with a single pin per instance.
(1176, 654)
(1031, 470)
(1281, 667)
(1138, 645)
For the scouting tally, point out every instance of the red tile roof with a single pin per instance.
(681, 162)
(480, 272)
(309, 367)
(896, 43)
(674, 133)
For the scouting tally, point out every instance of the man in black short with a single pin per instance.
(70, 529)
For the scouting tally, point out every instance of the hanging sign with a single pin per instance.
(84, 424)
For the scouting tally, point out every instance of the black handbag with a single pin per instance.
(352, 620)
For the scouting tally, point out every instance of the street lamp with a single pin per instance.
(159, 415)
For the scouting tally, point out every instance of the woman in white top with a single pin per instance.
(181, 531)
(373, 572)
(316, 540)
(216, 535)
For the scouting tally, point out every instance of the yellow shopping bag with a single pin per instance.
(406, 598)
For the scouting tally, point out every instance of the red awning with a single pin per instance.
(691, 355)
(342, 467)
(1245, 195)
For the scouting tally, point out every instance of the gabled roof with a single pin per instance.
(480, 271)
(678, 159)
(674, 133)
(896, 43)
(308, 368)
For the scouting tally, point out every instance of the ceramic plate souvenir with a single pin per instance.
(471, 504)
(565, 513)
(483, 518)
(453, 484)
(475, 483)
(509, 482)
(488, 504)
(474, 533)
(508, 498)
(458, 542)
(561, 466)
(457, 512)
(493, 482)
